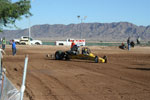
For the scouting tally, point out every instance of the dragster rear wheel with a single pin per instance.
(67, 57)
(59, 55)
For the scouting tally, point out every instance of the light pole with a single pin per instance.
(29, 29)
(30, 23)
(82, 19)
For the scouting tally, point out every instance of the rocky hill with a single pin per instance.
(92, 31)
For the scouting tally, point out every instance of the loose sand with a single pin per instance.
(126, 76)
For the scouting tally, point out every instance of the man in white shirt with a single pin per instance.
(1, 57)
(1, 72)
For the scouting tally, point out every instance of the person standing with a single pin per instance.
(3, 43)
(1, 70)
(72, 44)
(138, 40)
(1, 57)
(14, 48)
(128, 42)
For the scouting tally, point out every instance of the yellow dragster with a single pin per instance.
(89, 56)
(74, 54)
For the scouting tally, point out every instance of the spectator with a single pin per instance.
(138, 40)
(1, 57)
(128, 42)
(14, 48)
(3, 43)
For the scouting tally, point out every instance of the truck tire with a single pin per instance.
(23, 43)
(17, 43)
(37, 43)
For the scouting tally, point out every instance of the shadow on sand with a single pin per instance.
(72, 60)
(143, 69)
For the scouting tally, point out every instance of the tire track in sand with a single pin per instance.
(109, 74)
(40, 88)
(55, 86)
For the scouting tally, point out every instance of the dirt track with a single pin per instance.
(126, 76)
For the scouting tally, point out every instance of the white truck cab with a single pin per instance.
(25, 40)
(80, 42)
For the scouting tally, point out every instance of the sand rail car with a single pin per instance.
(75, 54)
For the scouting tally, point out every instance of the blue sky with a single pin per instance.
(101, 11)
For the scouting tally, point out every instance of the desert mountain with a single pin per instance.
(92, 31)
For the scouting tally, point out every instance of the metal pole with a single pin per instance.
(1, 76)
(30, 22)
(29, 25)
(29, 28)
(81, 28)
(29, 32)
(24, 78)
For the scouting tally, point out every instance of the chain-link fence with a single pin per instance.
(8, 91)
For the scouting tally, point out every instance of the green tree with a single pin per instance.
(10, 12)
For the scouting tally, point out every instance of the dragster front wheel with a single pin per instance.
(96, 59)
(105, 58)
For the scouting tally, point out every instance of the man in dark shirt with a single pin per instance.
(128, 42)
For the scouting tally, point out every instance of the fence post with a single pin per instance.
(0, 76)
(24, 78)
